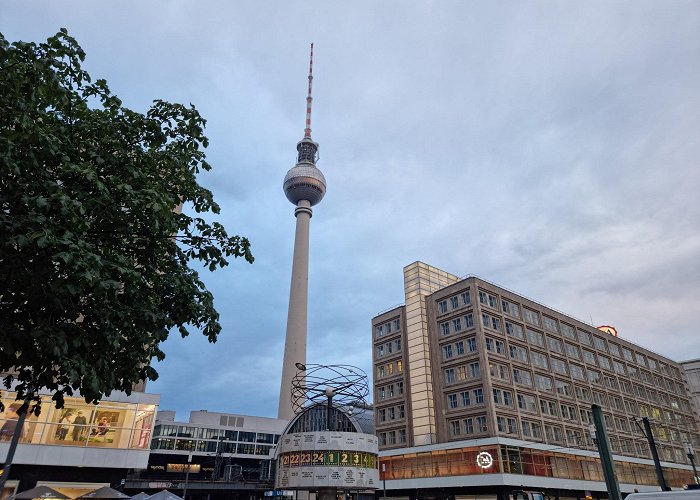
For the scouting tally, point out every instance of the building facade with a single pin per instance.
(81, 446)
(213, 455)
(477, 386)
(692, 373)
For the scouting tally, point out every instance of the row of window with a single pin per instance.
(458, 348)
(389, 348)
(457, 324)
(388, 327)
(389, 438)
(390, 390)
(162, 443)
(468, 426)
(562, 367)
(552, 325)
(187, 431)
(462, 373)
(465, 399)
(455, 302)
(389, 369)
(391, 413)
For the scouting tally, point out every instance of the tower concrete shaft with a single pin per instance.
(304, 185)
(295, 340)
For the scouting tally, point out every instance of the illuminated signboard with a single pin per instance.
(484, 460)
(608, 329)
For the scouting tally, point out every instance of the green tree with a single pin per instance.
(94, 260)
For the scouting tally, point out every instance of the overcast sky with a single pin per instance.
(548, 147)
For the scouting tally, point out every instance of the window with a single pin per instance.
(442, 306)
(535, 338)
(397, 324)
(454, 427)
(553, 433)
(559, 366)
(402, 435)
(459, 347)
(381, 392)
(474, 370)
(599, 343)
(616, 402)
(510, 308)
(471, 344)
(627, 354)
(496, 346)
(531, 429)
(586, 416)
(454, 302)
(380, 351)
(572, 351)
(452, 401)
(507, 425)
(611, 383)
(488, 299)
(445, 328)
(531, 317)
(518, 353)
(577, 372)
(388, 327)
(543, 383)
(514, 330)
(491, 322)
(550, 324)
(381, 371)
(641, 359)
(584, 337)
(478, 396)
(619, 367)
(574, 437)
(614, 349)
(502, 397)
(539, 360)
(583, 394)
(468, 425)
(594, 377)
(450, 376)
(549, 408)
(381, 414)
(457, 324)
(500, 371)
(447, 351)
(391, 390)
(568, 331)
(563, 388)
(466, 400)
(522, 377)
(399, 388)
(588, 357)
(469, 320)
(391, 413)
(555, 345)
(481, 424)
(466, 298)
(568, 412)
(527, 402)
(399, 366)
(604, 362)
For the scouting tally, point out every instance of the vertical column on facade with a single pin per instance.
(421, 280)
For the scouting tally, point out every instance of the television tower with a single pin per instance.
(304, 185)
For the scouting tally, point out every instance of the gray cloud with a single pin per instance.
(549, 147)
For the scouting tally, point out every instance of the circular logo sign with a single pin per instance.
(484, 460)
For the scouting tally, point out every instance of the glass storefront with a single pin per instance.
(108, 424)
(516, 460)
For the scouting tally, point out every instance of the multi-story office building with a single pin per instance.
(476, 386)
(80, 447)
(213, 455)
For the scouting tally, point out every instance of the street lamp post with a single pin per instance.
(691, 456)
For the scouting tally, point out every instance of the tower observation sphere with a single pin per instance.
(305, 181)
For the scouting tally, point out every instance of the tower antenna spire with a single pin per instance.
(307, 130)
